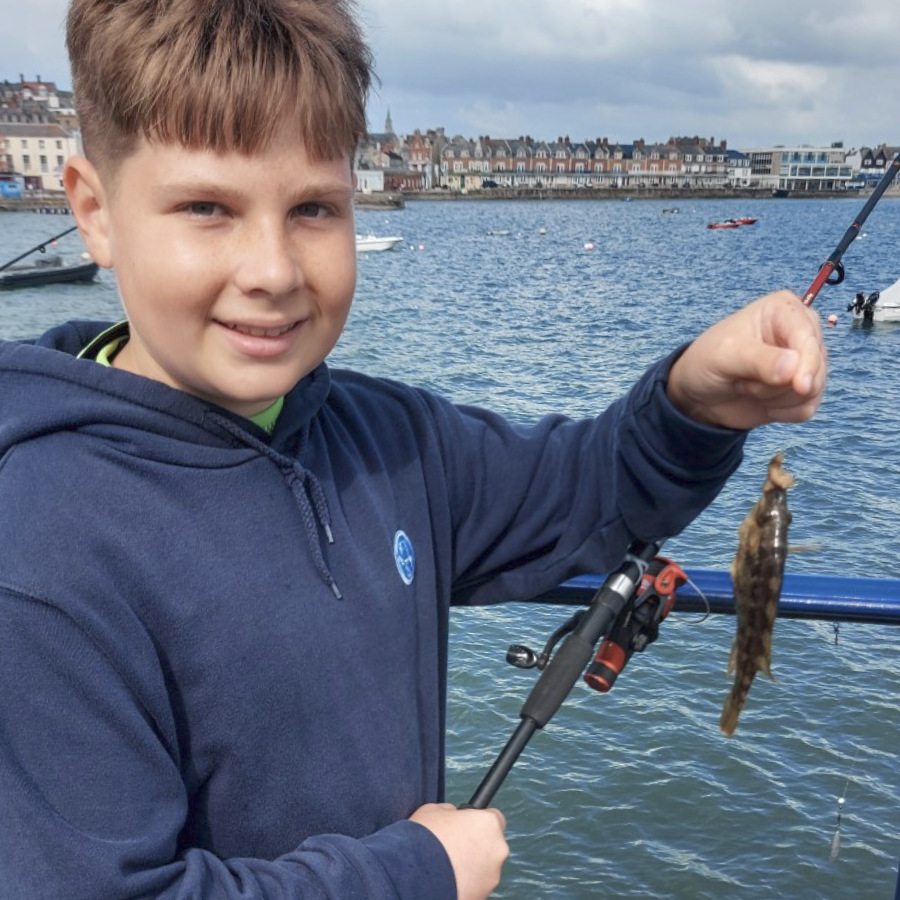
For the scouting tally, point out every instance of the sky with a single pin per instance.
(755, 73)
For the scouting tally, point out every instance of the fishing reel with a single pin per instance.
(635, 628)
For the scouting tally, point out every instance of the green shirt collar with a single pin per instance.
(103, 348)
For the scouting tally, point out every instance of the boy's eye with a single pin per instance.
(203, 209)
(310, 210)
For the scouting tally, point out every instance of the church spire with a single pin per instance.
(388, 124)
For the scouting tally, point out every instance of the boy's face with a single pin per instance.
(236, 272)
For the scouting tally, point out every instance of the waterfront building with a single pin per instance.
(873, 163)
(802, 169)
(37, 151)
(422, 154)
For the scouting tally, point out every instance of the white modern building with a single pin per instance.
(804, 169)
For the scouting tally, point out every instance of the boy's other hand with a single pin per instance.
(474, 841)
(765, 363)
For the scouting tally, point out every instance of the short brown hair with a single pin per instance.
(217, 74)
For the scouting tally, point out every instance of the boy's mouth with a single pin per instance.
(256, 331)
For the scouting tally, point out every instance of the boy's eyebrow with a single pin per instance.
(202, 188)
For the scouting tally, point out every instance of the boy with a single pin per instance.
(226, 572)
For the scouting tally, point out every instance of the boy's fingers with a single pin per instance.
(777, 399)
(765, 366)
(797, 329)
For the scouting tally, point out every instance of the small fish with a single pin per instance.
(757, 571)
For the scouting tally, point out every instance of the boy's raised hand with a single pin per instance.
(765, 363)
(474, 841)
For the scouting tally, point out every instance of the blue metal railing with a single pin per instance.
(832, 597)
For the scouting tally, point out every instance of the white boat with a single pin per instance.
(879, 306)
(370, 242)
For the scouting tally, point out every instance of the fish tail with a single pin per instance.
(729, 719)
(734, 704)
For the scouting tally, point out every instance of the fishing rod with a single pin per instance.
(833, 265)
(40, 248)
(627, 608)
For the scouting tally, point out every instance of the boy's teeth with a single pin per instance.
(261, 332)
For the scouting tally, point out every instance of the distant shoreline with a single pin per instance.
(670, 194)
(59, 204)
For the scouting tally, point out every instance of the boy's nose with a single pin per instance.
(266, 261)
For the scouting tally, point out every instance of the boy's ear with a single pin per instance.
(89, 203)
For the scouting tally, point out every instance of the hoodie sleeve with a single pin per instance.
(94, 802)
(533, 506)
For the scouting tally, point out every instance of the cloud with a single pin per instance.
(33, 40)
(769, 71)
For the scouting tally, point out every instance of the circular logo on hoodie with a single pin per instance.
(405, 557)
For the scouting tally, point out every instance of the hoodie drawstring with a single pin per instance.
(307, 491)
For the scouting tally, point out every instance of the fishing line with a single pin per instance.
(836, 837)
(706, 603)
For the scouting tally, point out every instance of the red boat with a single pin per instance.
(732, 223)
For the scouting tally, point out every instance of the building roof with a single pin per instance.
(33, 130)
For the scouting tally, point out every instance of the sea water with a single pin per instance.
(636, 793)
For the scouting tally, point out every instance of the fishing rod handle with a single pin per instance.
(558, 679)
(566, 666)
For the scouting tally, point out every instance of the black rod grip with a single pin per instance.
(558, 679)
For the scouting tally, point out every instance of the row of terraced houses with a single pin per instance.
(39, 131)
(423, 161)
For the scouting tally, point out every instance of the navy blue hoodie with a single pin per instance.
(223, 655)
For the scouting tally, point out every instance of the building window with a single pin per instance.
(40, 145)
(44, 166)
(26, 162)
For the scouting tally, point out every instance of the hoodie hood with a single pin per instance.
(45, 389)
